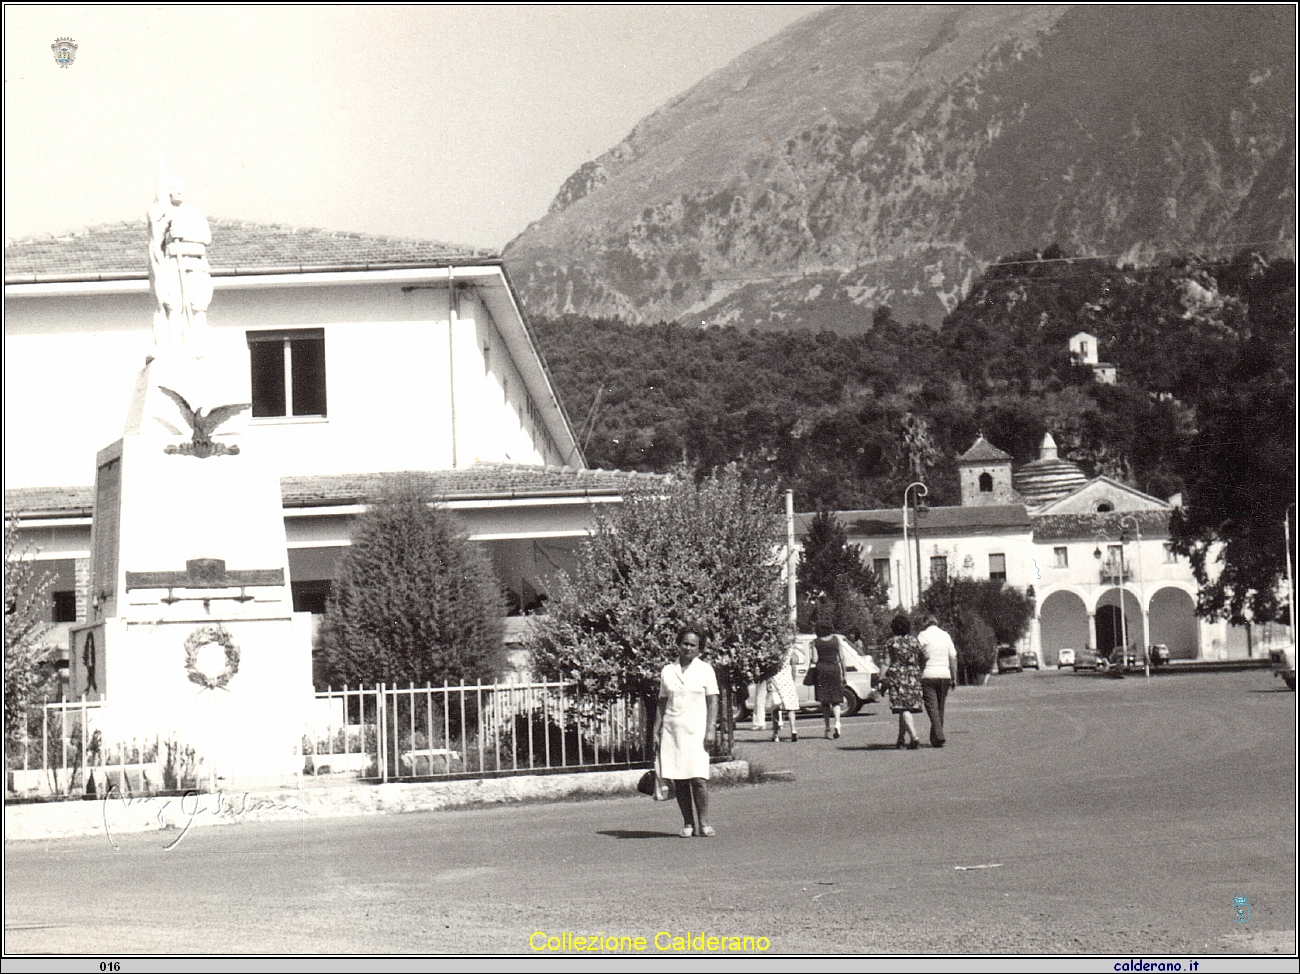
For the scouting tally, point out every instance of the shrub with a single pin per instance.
(707, 554)
(979, 615)
(26, 604)
(413, 600)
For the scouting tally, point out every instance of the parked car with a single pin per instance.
(1159, 654)
(1283, 661)
(1008, 660)
(1029, 660)
(1085, 659)
(1120, 662)
(862, 676)
(1064, 658)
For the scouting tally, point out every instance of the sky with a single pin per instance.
(451, 123)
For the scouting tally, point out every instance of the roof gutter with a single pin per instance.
(84, 277)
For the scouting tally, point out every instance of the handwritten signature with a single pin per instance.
(192, 806)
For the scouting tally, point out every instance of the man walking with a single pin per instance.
(939, 675)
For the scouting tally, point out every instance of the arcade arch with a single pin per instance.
(1063, 624)
(1172, 614)
(1109, 631)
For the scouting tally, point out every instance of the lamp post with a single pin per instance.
(1123, 626)
(1124, 522)
(921, 491)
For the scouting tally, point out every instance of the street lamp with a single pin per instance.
(1124, 523)
(1141, 594)
(921, 491)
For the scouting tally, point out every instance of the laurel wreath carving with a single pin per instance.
(203, 636)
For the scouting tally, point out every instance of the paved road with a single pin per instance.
(1124, 817)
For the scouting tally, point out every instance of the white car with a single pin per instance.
(1064, 658)
(860, 678)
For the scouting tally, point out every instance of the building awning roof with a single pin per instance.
(119, 251)
(482, 481)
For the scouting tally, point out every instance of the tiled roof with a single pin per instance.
(119, 250)
(479, 481)
(889, 521)
(1074, 527)
(982, 451)
(35, 501)
(483, 480)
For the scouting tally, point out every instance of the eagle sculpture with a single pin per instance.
(203, 424)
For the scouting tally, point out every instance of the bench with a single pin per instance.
(411, 759)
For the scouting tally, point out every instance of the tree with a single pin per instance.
(833, 575)
(979, 615)
(1240, 475)
(704, 554)
(413, 600)
(26, 622)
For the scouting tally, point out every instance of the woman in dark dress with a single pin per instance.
(828, 659)
(903, 660)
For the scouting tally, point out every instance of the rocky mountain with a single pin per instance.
(872, 155)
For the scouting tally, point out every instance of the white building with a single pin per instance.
(1061, 538)
(369, 357)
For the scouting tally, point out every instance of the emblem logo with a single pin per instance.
(65, 51)
(1240, 909)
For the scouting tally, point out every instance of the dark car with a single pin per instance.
(1008, 660)
(1120, 662)
(1086, 659)
(1159, 654)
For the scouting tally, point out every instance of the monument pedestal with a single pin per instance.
(193, 641)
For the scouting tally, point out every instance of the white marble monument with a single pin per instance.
(192, 637)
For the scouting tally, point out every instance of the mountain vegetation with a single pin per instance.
(874, 155)
(1204, 349)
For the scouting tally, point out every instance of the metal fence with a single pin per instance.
(390, 732)
(380, 733)
(62, 750)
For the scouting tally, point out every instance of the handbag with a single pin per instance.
(657, 787)
(810, 678)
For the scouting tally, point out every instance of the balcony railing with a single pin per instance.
(1110, 573)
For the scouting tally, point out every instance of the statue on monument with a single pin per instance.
(179, 271)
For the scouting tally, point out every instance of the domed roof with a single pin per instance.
(1048, 477)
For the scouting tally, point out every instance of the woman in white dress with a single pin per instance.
(784, 696)
(687, 714)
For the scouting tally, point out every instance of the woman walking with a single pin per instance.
(828, 659)
(784, 696)
(901, 676)
(684, 723)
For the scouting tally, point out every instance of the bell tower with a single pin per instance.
(985, 473)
